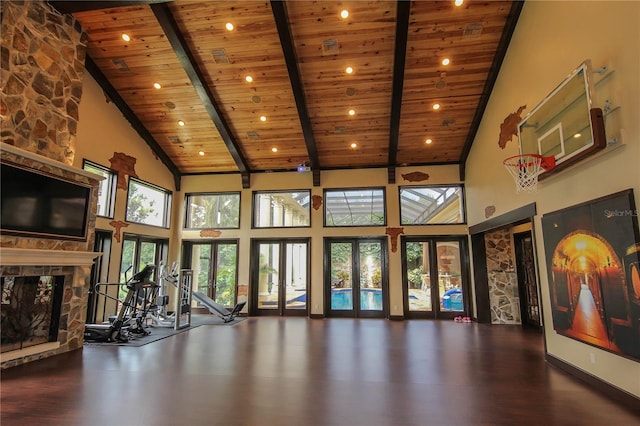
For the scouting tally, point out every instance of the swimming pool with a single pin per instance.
(370, 299)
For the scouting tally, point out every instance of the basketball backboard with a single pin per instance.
(565, 124)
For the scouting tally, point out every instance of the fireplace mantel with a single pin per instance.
(10, 256)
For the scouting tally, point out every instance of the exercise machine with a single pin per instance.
(216, 308)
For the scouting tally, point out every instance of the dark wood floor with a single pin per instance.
(295, 371)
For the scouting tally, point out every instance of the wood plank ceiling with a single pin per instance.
(296, 109)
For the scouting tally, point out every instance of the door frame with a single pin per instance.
(384, 285)
(254, 275)
(518, 238)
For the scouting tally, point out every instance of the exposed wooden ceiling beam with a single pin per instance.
(132, 118)
(284, 32)
(85, 6)
(400, 54)
(189, 63)
(507, 33)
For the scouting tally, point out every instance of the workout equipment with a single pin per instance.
(216, 308)
(134, 308)
(181, 316)
(526, 168)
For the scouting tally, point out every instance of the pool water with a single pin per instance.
(370, 299)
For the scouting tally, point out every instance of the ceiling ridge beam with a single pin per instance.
(188, 61)
(399, 58)
(501, 52)
(133, 119)
(279, 10)
(87, 6)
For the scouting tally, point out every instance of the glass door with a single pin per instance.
(434, 277)
(280, 277)
(357, 285)
(214, 266)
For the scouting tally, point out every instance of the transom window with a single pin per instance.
(106, 189)
(354, 207)
(430, 205)
(148, 204)
(281, 209)
(214, 210)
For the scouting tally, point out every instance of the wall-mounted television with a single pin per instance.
(42, 205)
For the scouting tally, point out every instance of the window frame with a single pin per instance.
(462, 197)
(111, 188)
(254, 206)
(167, 202)
(187, 212)
(372, 188)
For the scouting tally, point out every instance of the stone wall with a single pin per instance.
(42, 65)
(504, 299)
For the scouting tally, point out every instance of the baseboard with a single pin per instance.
(595, 382)
(316, 316)
(396, 318)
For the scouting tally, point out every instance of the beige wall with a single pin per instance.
(551, 39)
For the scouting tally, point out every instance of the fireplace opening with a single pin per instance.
(30, 310)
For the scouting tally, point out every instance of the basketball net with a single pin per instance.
(525, 170)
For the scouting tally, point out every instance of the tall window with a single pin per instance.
(138, 252)
(206, 211)
(148, 204)
(285, 209)
(431, 205)
(354, 207)
(106, 189)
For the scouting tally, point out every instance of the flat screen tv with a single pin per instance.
(42, 205)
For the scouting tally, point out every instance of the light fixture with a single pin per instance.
(352, 112)
(249, 79)
(577, 135)
(354, 145)
(229, 26)
(263, 118)
(126, 37)
(348, 70)
(344, 14)
(157, 85)
(436, 107)
(458, 3)
(274, 149)
(180, 123)
(201, 153)
(446, 61)
(428, 141)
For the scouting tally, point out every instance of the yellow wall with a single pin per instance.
(551, 39)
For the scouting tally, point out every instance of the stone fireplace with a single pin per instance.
(42, 65)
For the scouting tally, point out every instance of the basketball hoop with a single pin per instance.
(526, 168)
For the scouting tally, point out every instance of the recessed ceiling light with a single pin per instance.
(458, 2)
(436, 106)
(354, 145)
(349, 70)
(180, 123)
(577, 135)
(229, 26)
(126, 37)
(263, 118)
(274, 149)
(428, 141)
(201, 153)
(446, 61)
(344, 14)
(352, 112)
(249, 79)
(157, 85)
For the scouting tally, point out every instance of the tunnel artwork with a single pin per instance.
(592, 254)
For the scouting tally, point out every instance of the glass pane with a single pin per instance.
(418, 276)
(147, 255)
(357, 207)
(281, 209)
(429, 205)
(201, 266)
(105, 189)
(449, 276)
(341, 273)
(213, 210)
(226, 275)
(126, 265)
(147, 205)
(370, 276)
(296, 276)
(268, 288)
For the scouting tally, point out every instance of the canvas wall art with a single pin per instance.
(592, 252)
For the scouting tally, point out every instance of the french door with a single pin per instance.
(356, 277)
(215, 266)
(435, 274)
(280, 277)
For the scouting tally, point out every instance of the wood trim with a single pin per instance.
(86, 6)
(133, 119)
(594, 381)
(279, 10)
(189, 63)
(517, 215)
(509, 29)
(396, 318)
(400, 53)
(316, 316)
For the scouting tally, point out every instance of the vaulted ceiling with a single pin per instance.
(296, 109)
